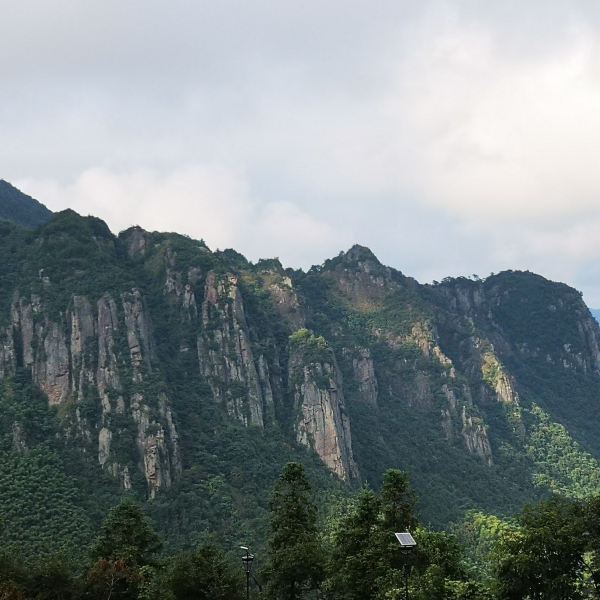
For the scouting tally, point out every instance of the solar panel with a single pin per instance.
(406, 540)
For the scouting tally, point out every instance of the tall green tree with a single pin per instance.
(591, 533)
(366, 560)
(205, 574)
(398, 501)
(295, 552)
(127, 535)
(125, 546)
(53, 579)
(367, 563)
(355, 564)
(543, 560)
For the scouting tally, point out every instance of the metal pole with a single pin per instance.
(247, 574)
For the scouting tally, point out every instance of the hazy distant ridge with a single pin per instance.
(20, 208)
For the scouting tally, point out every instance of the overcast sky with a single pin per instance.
(449, 137)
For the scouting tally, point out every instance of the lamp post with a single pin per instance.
(407, 545)
(247, 561)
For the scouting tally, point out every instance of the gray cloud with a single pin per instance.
(451, 137)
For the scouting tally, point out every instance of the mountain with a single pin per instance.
(595, 313)
(145, 363)
(17, 207)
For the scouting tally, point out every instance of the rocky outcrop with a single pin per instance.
(8, 358)
(280, 287)
(474, 434)
(321, 421)
(494, 374)
(458, 416)
(225, 353)
(495, 377)
(136, 241)
(83, 335)
(445, 360)
(108, 380)
(23, 326)
(465, 296)
(182, 294)
(364, 374)
(360, 278)
(139, 338)
(157, 447)
(590, 335)
(51, 367)
(76, 363)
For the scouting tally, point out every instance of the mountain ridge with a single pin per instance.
(17, 207)
(187, 377)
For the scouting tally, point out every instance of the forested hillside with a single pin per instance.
(146, 364)
(19, 208)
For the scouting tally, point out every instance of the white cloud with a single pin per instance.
(200, 201)
(449, 136)
(211, 203)
(520, 140)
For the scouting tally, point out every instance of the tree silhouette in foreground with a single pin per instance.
(126, 544)
(295, 554)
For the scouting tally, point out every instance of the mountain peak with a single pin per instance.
(17, 207)
(360, 253)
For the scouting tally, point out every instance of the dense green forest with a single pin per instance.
(146, 366)
(549, 551)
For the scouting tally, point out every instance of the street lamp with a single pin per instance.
(407, 545)
(247, 560)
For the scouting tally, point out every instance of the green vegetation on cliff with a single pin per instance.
(147, 365)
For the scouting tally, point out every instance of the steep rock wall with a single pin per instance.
(226, 356)
(76, 361)
(321, 421)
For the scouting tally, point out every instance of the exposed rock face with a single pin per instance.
(138, 333)
(284, 296)
(590, 334)
(362, 279)
(458, 415)
(22, 320)
(450, 358)
(78, 361)
(321, 420)
(51, 369)
(364, 373)
(83, 335)
(466, 297)
(104, 440)
(107, 375)
(8, 357)
(182, 294)
(158, 463)
(225, 353)
(495, 376)
(136, 240)
(475, 436)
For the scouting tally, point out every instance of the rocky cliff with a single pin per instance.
(175, 371)
(321, 421)
(76, 360)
